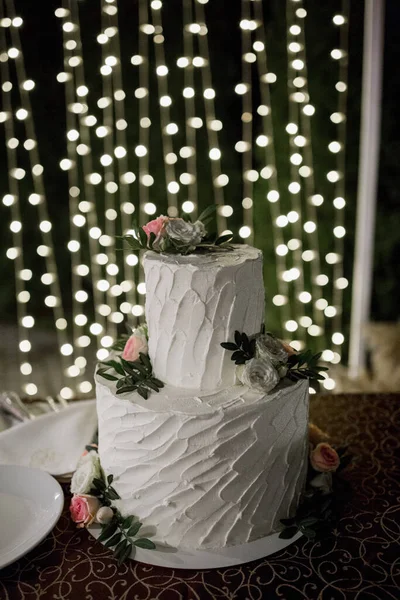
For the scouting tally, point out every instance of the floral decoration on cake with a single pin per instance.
(263, 360)
(178, 235)
(93, 502)
(131, 369)
(325, 492)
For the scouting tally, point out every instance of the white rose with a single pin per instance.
(259, 374)
(188, 234)
(88, 469)
(104, 515)
(323, 482)
(270, 348)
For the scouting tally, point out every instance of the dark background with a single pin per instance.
(43, 53)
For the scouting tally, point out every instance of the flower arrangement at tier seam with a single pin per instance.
(178, 235)
(263, 360)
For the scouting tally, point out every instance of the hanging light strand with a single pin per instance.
(46, 250)
(190, 151)
(269, 171)
(87, 206)
(340, 283)
(249, 174)
(15, 253)
(168, 128)
(220, 179)
(311, 254)
(124, 177)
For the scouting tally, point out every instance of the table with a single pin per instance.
(361, 560)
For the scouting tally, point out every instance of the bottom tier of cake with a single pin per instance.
(206, 471)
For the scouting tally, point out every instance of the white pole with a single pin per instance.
(367, 180)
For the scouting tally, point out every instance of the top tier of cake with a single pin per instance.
(195, 302)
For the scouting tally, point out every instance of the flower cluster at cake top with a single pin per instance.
(92, 502)
(325, 492)
(263, 360)
(131, 370)
(178, 235)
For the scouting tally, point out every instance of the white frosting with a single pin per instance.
(206, 471)
(195, 302)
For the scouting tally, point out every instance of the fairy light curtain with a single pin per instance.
(146, 133)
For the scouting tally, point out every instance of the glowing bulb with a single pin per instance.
(292, 128)
(195, 122)
(262, 141)
(120, 152)
(339, 20)
(279, 300)
(171, 129)
(102, 131)
(182, 62)
(209, 94)
(245, 232)
(309, 226)
(308, 109)
(140, 150)
(214, 154)
(173, 187)
(21, 114)
(162, 70)
(294, 187)
(291, 325)
(221, 181)
(338, 338)
(339, 203)
(305, 297)
(300, 141)
(273, 196)
(241, 88)
(339, 232)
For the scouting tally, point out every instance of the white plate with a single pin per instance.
(31, 502)
(176, 558)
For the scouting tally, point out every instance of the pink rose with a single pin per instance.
(324, 458)
(135, 344)
(288, 348)
(83, 509)
(155, 226)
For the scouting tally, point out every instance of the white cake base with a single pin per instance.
(174, 558)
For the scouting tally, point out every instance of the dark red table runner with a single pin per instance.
(360, 561)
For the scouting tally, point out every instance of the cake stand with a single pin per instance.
(175, 558)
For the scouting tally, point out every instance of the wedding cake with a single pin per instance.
(213, 450)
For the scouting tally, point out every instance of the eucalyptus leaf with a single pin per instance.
(143, 392)
(229, 346)
(222, 239)
(113, 494)
(238, 339)
(145, 360)
(120, 548)
(108, 530)
(142, 237)
(158, 382)
(127, 522)
(207, 212)
(126, 554)
(99, 483)
(151, 385)
(152, 239)
(134, 529)
(144, 543)
(115, 365)
(107, 376)
(125, 390)
(114, 540)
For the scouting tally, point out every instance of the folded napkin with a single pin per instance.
(52, 442)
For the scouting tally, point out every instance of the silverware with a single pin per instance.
(11, 404)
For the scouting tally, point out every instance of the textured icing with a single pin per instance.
(195, 302)
(210, 470)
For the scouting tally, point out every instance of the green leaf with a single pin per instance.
(309, 533)
(238, 354)
(288, 533)
(151, 385)
(157, 382)
(126, 523)
(145, 360)
(133, 242)
(143, 392)
(134, 529)
(207, 212)
(124, 390)
(114, 540)
(107, 376)
(126, 554)
(229, 346)
(308, 521)
(112, 494)
(238, 338)
(99, 484)
(222, 239)
(288, 522)
(108, 530)
(110, 479)
(152, 239)
(115, 365)
(142, 237)
(120, 548)
(144, 543)
(121, 382)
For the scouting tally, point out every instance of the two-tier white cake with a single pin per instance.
(206, 462)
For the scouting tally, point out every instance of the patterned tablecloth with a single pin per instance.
(361, 560)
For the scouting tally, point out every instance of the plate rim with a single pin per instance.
(218, 558)
(32, 542)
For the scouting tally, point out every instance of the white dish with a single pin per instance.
(176, 558)
(31, 502)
